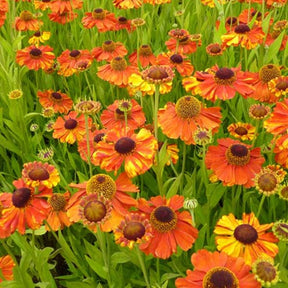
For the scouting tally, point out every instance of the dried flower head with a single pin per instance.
(88, 107)
(15, 94)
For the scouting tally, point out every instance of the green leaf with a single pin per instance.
(274, 48)
(174, 187)
(97, 268)
(119, 258)
(215, 194)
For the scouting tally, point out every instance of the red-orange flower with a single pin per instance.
(127, 4)
(177, 61)
(3, 11)
(70, 61)
(61, 6)
(146, 56)
(57, 217)
(108, 51)
(135, 151)
(185, 45)
(6, 267)
(223, 83)
(117, 72)
(62, 18)
(245, 238)
(36, 58)
(42, 4)
(60, 102)
(102, 19)
(181, 120)
(281, 150)
(71, 128)
(169, 226)
(114, 116)
(24, 208)
(234, 163)
(26, 21)
(217, 269)
(123, 23)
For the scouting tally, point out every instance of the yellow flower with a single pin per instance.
(39, 37)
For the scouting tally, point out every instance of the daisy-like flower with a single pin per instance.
(245, 238)
(108, 51)
(124, 23)
(61, 6)
(36, 58)
(38, 174)
(182, 119)
(24, 208)
(135, 151)
(146, 56)
(259, 111)
(266, 74)
(57, 217)
(280, 230)
(70, 61)
(217, 269)
(102, 19)
(242, 131)
(114, 116)
(27, 21)
(169, 226)
(214, 49)
(283, 192)
(117, 72)
(71, 128)
(281, 150)
(127, 4)
(63, 18)
(234, 163)
(87, 107)
(60, 102)
(223, 83)
(265, 272)
(243, 36)
(39, 37)
(268, 180)
(247, 15)
(42, 4)
(186, 45)
(154, 2)
(4, 7)
(177, 61)
(6, 267)
(279, 86)
(134, 229)
(277, 123)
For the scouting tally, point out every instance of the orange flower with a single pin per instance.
(146, 56)
(185, 45)
(245, 238)
(247, 15)
(36, 57)
(6, 267)
(217, 269)
(279, 86)
(109, 51)
(243, 36)
(57, 217)
(117, 72)
(214, 49)
(60, 102)
(24, 208)
(154, 2)
(62, 18)
(182, 119)
(4, 7)
(242, 131)
(169, 226)
(38, 174)
(71, 128)
(281, 150)
(26, 21)
(42, 4)
(70, 61)
(114, 116)
(62, 6)
(234, 163)
(177, 61)
(127, 4)
(102, 19)
(277, 123)
(123, 23)
(223, 83)
(136, 151)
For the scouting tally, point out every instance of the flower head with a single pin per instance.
(26, 21)
(6, 267)
(280, 230)
(242, 131)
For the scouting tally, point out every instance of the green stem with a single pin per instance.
(183, 166)
(88, 145)
(157, 88)
(256, 132)
(8, 250)
(260, 206)
(143, 267)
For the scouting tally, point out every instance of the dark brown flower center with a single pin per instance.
(75, 53)
(220, 277)
(37, 34)
(269, 72)
(26, 15)
(158, 73)
(70, 124)
(56, 96)
(282, 85)
(99, 14)
(95, 211)
(238, 154)
(119, 64)
(176, 58)
(284, 193)
(38, 174)
(122, 20)
(145, 50)
(259, 111)
(241, 29)
(267, 182)
(231, 21)
(134, 231)
(188, 107)
(125, 145)
(224, 73)
(246, 234)
(101, 184)
(35, 53)
(266, 271)
(21, 197)
(241, 131)
(98, 137)
(163, 219)
(109, 46)
(58, 202)
(215, 48)
(259, 15)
